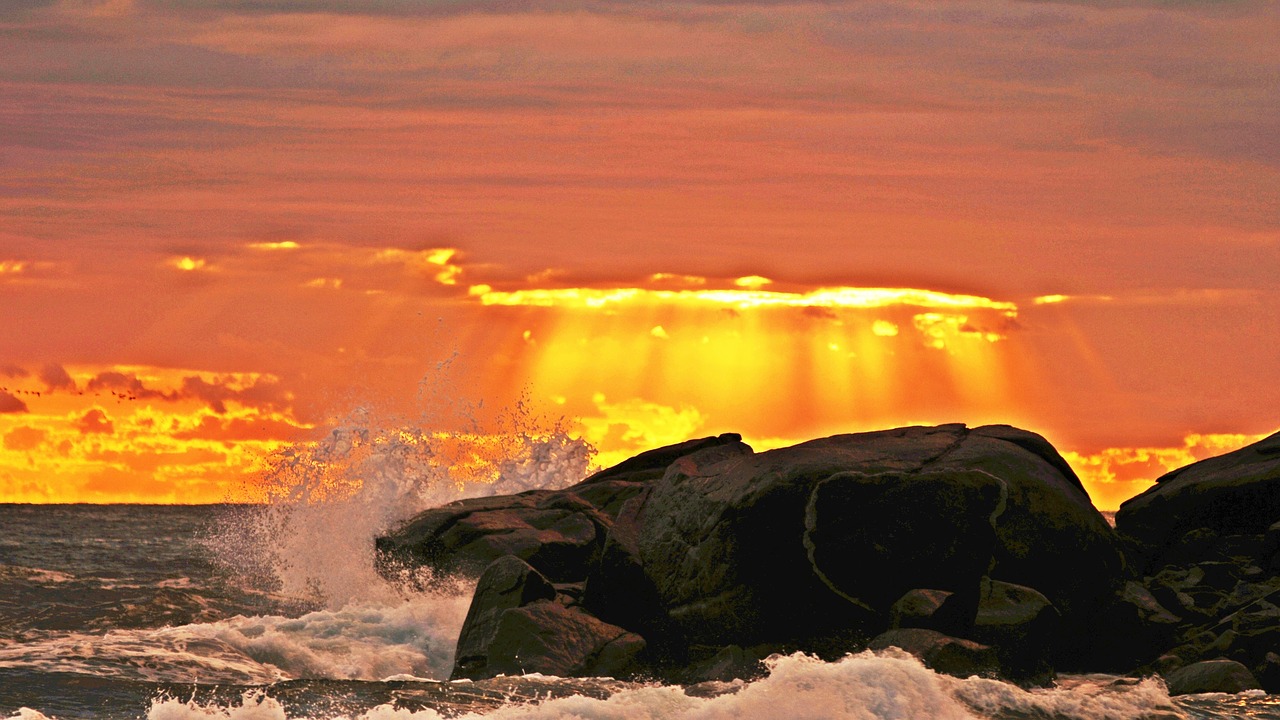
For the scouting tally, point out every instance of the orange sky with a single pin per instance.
(223, 225)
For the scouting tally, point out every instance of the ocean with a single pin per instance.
(208, 612)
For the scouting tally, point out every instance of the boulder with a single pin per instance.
(942, 653)
(871, 538)
(1022, 625)
(938, 610)
(1224, 676)
(824, 536)
(548, 638)
(507, 583)
(559, 532)
(1231, 494)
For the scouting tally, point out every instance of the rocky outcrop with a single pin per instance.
(1202, 504)
(977, 547)
(1202, 544)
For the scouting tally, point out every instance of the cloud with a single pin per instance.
(242, 428)
(11, 404)
(124, 385)
(55, 377)
(24, 438)
(263, 393)
(13, 371)
(95, 421)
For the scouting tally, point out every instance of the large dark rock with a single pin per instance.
(669, 561)
(1233, 494)
(822, 537)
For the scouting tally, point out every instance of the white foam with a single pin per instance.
(869, 686)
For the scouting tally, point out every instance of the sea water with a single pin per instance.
(274, 610)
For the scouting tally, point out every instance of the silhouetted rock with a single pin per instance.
(1225, 676)
(738, 548)
(1232, 494)
(944, 654)
(694, 561)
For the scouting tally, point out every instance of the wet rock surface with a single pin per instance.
(975, 549)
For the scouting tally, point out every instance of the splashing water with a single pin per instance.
(322, 504)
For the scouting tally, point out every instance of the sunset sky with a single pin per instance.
(225, 224)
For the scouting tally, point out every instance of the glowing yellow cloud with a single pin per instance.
(830, 297)
(283, 245)
(11, 267)
(188, 264)
(438, 262)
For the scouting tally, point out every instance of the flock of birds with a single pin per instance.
(120, 396)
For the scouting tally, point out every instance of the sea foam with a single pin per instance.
(889, 685)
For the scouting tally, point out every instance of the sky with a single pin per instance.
(227, 226)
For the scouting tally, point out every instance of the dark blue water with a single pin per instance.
(178, 613)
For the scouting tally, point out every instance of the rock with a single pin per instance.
(559, 532)
(727, 664)
(822, 537)
(548, 638)
(1050, 536)
(1135, 629)
(1268, 673)
(670, 559)
(1235, 493)
(507, 583)
(1021, 624)
(937, 610)
(556, 532)
(619, 592)
(870, 538)
(651, 464)
(1225, 676)
(942, 653)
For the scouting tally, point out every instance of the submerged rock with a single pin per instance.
(1221, 675)
(942, 653)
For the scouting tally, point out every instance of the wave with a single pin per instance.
(888, 685)
(361, 641)
(324, 503)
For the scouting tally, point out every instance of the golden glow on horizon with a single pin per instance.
(1113, 475)
(826, 297)
(141, 434)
